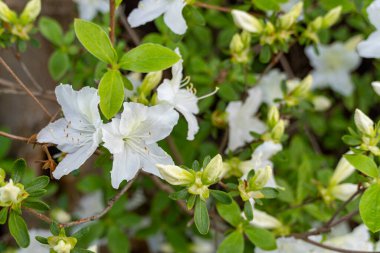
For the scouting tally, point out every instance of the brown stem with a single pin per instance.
(112, 21)
(212, 7)
(14, 137)
(324, 246)
(27, 90)
(134, 36)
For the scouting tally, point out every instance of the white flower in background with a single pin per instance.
(264, 220)
(90, 204)
(89, 8)
(132, 140)
(148, 10)
(376, 87)
(78, 134)
(370, 48)
(182, 99)
(260, 159)
(270, 85)
(241, 119)
(333, 65)
(201, 245)
(291, 245)
(35, 246)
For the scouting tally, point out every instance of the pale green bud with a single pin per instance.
(273, 116)
(198, 187)
(175, 175)
(31, 11)
(62, 244)
(342, 171)
(364, 123)
(246, 21)
(332, 17)
(353, 42)
(214, 171)
(287, 20)
(60, 215)
(304, 87)
(269, 28)
(321, 103)
(316, 24)
(6, 14)
(278, 130)
(260, 179)
(239, 48)
(150, 82)
(2, 175)
(236, 45)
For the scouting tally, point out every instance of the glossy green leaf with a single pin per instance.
(111, 92)
(59, 63)
(95, 40)
(230, 213)
(18, 170)
(234, 242)
(18, 229)
(148, 57)
(221, 196)
(117, 240)
(369, 207)
(51, 30)
(37, 184)
(261, 238)
(3, 215)
(364, 164)
(201, 218)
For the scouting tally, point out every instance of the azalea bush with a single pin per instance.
(194, 126)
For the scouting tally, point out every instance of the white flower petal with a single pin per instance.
(173, 17)
(147, 11)
(373, 11)
(155, 155)
(74, 160)
(376, 87)
(125, 166)
(370, 48)
(344, 191)
(264, 220)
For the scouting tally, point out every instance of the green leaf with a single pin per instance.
(18, 170)
(191, 201)
(3, 215)
(267, 5)
(36, 204)
(51, 30)
(79, 250)
(260, 237)
(95, 40)
(111, 92)
(201, 218)
(37, 193)
(59, 63)
(90, 183)
(230, 213)
(364, 164)
(117, 241)
(221, 196)
(265, 54)
(234, 242)
(18, 229)
(148, 57)
(41, 239)
(54, 229)
(37, 184)
(248, 210)
(269, 193)
(369, 207)
(182, 194)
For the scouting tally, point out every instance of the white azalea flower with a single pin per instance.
(242, 121)
(376, 87)
(79, 133)
(89, 8)
(149, 10)
(270, 85)
(370, 48)
(332, 67)
(182, 99)
(35, 246)
(132, 140)
(291, 245)
(260, 159)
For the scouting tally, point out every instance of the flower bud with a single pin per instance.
(304, 87)
(150, 82)
(321, 103)
(260, 179)
(364, 123)
(61, 243)
(278, 131)
(219, 119)
(214, 171)
(344, 191)
(263, 220)
(353, 42)
(273, 116)
(198, 187)
(175, 175)
(376, 87)
(31, 11)
(9, 193)
(60, 215)
(316, 24)
(246, 21)
(342, 171)
(287, 20)
(6, 14)
(332, 17)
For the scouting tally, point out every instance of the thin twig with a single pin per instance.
(324, 246)
(24, 86)
(112, 20)
(30, 76)
(131, 32)
(173, 148)
(212, 7)
(37, 94)
(14, 137)
(40, 216)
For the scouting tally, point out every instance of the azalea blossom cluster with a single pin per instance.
(131, 136)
